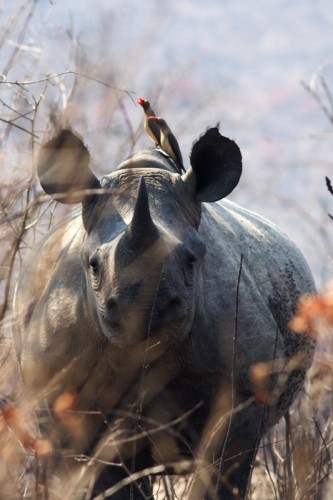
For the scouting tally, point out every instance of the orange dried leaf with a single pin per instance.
(65, 401)
(43, 447)
(329, 314)
(262, 397)
(260, 372)
(299, 324)
(11, 414)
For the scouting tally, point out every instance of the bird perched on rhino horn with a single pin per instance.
(168, 141)
(151, 128)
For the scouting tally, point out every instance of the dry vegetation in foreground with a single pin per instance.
(295, 458)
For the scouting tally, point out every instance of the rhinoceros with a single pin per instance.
(154, 304)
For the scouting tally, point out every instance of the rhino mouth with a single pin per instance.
(169, 326)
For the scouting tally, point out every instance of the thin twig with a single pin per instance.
(22, 34)
(11, 123)
(323, 441)
(288, 459)
(327, 92)
(319, 101)
(232, 366)
(157, 469)
(129, 125)
(269, 472)
(64, 73)
(20, 115)
(11, 264)
(329, 185)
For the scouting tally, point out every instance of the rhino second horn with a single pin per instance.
(141, 232)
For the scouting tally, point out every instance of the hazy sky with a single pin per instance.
(240, 63)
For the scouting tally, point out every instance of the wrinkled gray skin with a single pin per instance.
(156, 304)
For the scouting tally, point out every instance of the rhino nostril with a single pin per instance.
(113, 312)
(174, 303)
(112, 304)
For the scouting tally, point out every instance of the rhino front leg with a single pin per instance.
(227, 452)
(111, 476)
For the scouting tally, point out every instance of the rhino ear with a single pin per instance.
(63, 169)
(216, 166)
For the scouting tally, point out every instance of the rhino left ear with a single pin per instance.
(216, 166)
(63, 169)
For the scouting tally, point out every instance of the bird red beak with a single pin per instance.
(140, 101)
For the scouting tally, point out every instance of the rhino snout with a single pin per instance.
(113, 313)
(174, 305)
(169, 307)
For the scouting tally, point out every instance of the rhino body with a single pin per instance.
(153, 306)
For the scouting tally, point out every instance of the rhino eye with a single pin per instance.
(190, 260)
(94, 264)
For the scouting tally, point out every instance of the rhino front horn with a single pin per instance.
(141, 232)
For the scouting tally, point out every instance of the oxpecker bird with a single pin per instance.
(151, 128)
(168, 141)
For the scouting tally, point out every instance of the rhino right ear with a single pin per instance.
(216, 166)
(63, 169)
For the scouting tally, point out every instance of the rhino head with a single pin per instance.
(141, 251)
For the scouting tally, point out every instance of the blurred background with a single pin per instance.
(259, 68)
